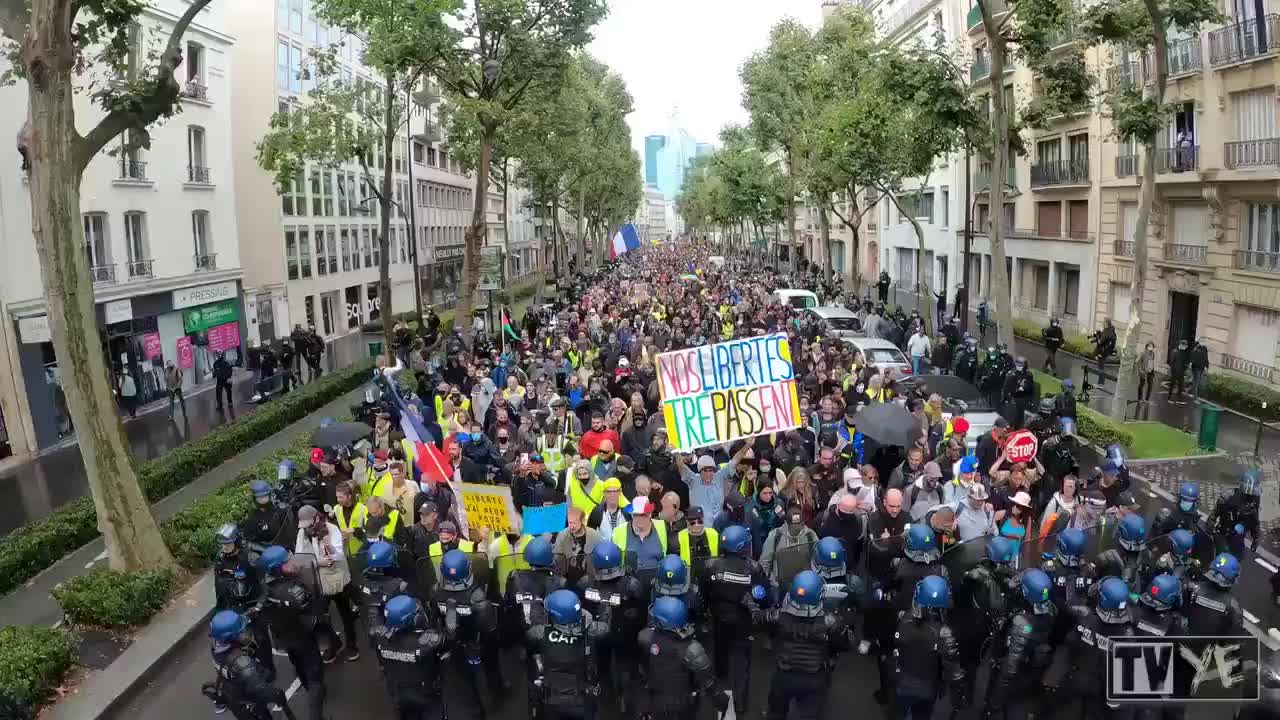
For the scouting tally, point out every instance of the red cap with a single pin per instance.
(317, 456)
(379, 454)
(960, 425)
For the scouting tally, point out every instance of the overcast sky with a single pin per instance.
(686, 53)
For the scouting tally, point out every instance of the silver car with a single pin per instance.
(835, 321)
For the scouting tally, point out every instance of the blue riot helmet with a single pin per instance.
(455, 570)
(284, 470)
(381, 556)
(1113, 601)
(1068, 385)
(1035, 589)
(1249, 482)
(228, 534)
(1131, 534)
(1182, 544)
(401, 612)
(1071, 547)
(932, 595)
(1001, 550)
(226, 626)
(1223, 571)
(672, 577)
(1067, 426)
(804, 599)
(968, 464)
(606, 561)
(1115, 453)
(1239, 529)
(922, 544)
(734, 539)
(260, 489)
(563, 608)
(669, 613)
(1165, 593)
(274, 558)
(538, 553)
(829, 558)
(1188, 496)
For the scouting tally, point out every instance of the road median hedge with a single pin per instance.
(40, 543)
(33, 661)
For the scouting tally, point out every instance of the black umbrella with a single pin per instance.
(339, 434)
(950, 387)
(888, 424)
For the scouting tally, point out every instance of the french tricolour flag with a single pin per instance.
(625, 239)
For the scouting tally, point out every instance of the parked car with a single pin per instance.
(796, 298)
(881, 353)
(835, 321)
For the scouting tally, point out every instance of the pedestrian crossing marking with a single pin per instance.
(1250, 617)
(1270, 568)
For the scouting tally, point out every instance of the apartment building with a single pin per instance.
(311, 252)
(161, 237)
(656, 211)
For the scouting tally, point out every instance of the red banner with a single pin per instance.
(224, 337)
(151, 346)
(186, 353)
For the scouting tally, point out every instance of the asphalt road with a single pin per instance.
(356, 690)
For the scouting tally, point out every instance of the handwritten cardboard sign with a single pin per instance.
(489, 506)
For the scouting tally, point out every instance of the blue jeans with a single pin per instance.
(918, 364)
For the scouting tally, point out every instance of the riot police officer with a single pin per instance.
(966, 359)
(1240, 508)
(267, 518)
(1211, 609)
(471, 626)
(676, 670)
(621, 601)
(1071, 575)
(528, 587)
(1186, 516)
(1053, 340)
(926, 656)
(1027, 650)
(236, 586)
(806, 643)
(991, 377)
(673, 580)
(379, 583)
(922, 559)
(290, 609)
(1087, 646)
(843, 592)
(566, 685)
(1019, 392)
(408, 650)
(736, 586)
(1155, 617)
(243, 684)
(981, 601)
(1129, 559)
(1178, 561)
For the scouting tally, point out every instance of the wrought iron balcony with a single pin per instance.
(1253, 153)
(198, 174)
(195, 90)
(1126, 166)
(1244, 40)
(1061, 172)
(207, 262)
(1122, 248)
(1184, 56)
(139, 269)
(1258, 260)
(1123, 75)
(1176, 160)
(132, 169)
(1185, 254)
(102, 274)
(1250, 368)
(996, 8)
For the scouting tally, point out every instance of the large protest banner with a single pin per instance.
(719, 393)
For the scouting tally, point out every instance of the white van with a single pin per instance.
(799, 299)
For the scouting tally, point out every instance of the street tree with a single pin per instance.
(755, 189)
(60, 49)
(502, 52)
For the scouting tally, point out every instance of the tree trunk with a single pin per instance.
(924, 297)
(791, 213)
(53, 152)
(562, 248)
(854, 279)
(476, 231)
(384, 224)
(580, 227)
(999, 164)
(824, 236)
(506, 227)
(1129, 341)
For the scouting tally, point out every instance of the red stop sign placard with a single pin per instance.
(1021, 446)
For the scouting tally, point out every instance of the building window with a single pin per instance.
(196, 158)
(431, 156)
(368, 251)
(945, 220)
(419, 152)
(294, 198)
(322, 268)
(310, 308)
(327, 312)
(96, 243)
(282, 65)
(331, 248)
(1262, 232)
(346, 249)
(328, 194)
(1257, 334)
(317, 200)
(344, 195)
(135, 241)
(200, 239)
(376, 246)
(291, 252)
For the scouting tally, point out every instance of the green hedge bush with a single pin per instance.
(1091, 424)
(33, 661)
(40, 543)
(111, 599)
(1074, 343)
(1242, 395)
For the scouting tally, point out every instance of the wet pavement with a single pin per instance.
(36, 487)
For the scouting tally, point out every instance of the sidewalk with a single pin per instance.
(38, 486)
(31, 604)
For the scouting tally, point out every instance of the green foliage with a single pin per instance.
(33, 661)
(1090, 424)
(43, 542)
(1242, 395)
(1074, 343)
(111, 599)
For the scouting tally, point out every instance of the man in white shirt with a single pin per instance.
(918, 347)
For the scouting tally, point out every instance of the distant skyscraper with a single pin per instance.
(653, 145)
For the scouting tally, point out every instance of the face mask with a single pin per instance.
(1186, 505)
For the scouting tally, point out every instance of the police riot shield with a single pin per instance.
(791, 561)
(503, 566)
(572, 567)
(287, 536)
(305, 569)
(643, 570)
(879, 556)
(962, 557)
(425, 571)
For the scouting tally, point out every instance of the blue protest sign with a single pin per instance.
(549, 519)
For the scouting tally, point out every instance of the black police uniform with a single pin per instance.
(981, 608)
(471, 627)
(904, 575)
(264, 523)
(925, 656)
(805, 648)
(1070, 588)
(377, 586)
(1238, 508)
(1170, 519)
(236, 586)
(677, 672)
(620, 604)
(410, 661)
(243, 685)
(1149, 622)
(729, 581)
(526, 589)
(1132, 566)
(1087, 645)
(966, 363)
(289, 609)
(844, 596)
(1019, 393)
(1027, 653)
(1212, 610)
(694, 606)
(566, 686)
(1186, 570)
(991, 379)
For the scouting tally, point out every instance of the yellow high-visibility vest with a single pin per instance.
(713, 544)
(389, 530)
(620, 535)
(352, 521)
(582, 499)
(508, 560)
(552, 455)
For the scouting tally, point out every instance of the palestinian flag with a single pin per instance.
(508, 327)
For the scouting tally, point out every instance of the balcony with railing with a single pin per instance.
(1185, 254)
(102, 274)
(996, 7)
(1122, 248)
(1177, 160)
(140, 269)
(1252, 153)
(1064, 35)
(980, 70)
(133, 170)
(1250, 368)
(982, 178)
(1126, 166)
(1258, 260)
(1246, 40)
(1060, 173)
(903, 16)
(195, 90)
(198, 174)
(1181, 57)
(1124, 75)
(208, 262)
(1015, 233)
